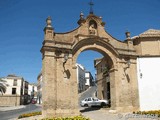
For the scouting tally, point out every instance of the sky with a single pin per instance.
(22, 23)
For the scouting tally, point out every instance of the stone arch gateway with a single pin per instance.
(60, 51)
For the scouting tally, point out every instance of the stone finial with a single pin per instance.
(128, 35)
(49, 30)
(81, 20)
(81, 15)
(129, 40)
(49, 21)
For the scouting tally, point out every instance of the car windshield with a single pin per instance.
(95, 99)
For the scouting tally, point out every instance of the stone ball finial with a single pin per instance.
(81, 15)
(81, 20)
(128, 34)
(49, 21)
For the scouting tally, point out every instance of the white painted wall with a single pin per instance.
(30, 89)
(87, 76)
(10, 86)
(149, 83)
(80, 77)
(39, 88)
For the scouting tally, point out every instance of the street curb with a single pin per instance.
(3, 109)
(83, 92)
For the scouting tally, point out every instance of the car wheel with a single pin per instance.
(103, 104)
(86, 105)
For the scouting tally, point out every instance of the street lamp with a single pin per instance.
(66, 56)
(128, 63)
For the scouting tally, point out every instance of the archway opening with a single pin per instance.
(93, 76)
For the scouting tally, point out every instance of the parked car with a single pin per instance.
(90, 101)
(34, 101)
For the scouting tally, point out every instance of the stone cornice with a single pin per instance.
(48, 28)
(128, 50)
(56, 42)
(48, 41)
(54, 48)
(134, 56)
(91, 36)
(148, 55)
(150, 33)
(64, 43)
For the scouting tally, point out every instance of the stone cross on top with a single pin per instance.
(91, 8)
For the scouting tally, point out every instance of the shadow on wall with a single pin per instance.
(68, 74)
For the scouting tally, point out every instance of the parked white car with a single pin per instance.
(89, 102)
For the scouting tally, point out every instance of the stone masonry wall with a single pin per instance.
(9, 100)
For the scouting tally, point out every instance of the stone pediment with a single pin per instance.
(150, 33)
(91, 26)
(91, 29)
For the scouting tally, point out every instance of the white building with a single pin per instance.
(32, 90)
(16, 85)
(149, 82)
(80, 77)
(16, 91)
(39, 88)
(89, 79)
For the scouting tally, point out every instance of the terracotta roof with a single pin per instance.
(150, 33)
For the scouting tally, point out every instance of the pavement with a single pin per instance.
(9, 108)
(13, 112)
(101, 114)
(93, 113)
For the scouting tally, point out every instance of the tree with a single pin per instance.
(3, 86)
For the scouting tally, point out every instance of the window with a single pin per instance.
(89, 99)
(15, 82)
(13, 91)
(95, 99)
(21, 91)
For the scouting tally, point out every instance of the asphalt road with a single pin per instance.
(94, 113)
(12, 114)
(7, 115)
(88, 93)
